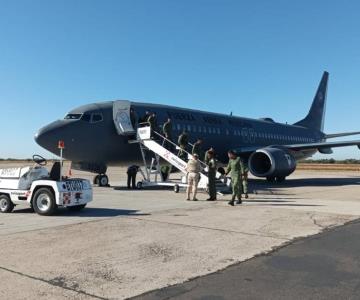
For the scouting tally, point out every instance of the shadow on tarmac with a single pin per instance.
(89, 212)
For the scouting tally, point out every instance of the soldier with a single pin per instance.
(236, 169)
(167, 129)
(193, 169)
(152, 121)
(206, 157)
(245, 178)
(145, 117)
(211, 175)
(183, 141)
(197, 148)
(131, 176)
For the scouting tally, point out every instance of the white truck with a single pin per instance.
(42, 190)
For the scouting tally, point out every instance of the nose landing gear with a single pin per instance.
(101, 180)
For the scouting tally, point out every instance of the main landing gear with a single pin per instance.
(101, 180)
(277, 179)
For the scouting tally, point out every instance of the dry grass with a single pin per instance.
(329, 167)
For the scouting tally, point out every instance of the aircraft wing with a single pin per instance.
(321, 146)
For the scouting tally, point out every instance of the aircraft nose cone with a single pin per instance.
(48, 136)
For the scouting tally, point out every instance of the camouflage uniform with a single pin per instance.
(197, 149)
(236, 169)
(212, 178)
(167, 130)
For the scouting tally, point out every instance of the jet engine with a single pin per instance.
(272, 163)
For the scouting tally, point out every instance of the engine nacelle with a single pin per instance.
(271, 162)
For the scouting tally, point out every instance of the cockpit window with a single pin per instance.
(86, 117)
(96, 118)
(72, 117)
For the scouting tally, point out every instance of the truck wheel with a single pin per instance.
(76, 207)
(44, 202)
(103, 180)
(176, 188)
(6, 206)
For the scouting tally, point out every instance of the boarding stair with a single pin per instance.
(150, 140)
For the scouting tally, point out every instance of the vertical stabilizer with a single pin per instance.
(315, 117)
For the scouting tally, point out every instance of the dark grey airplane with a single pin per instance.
(97, 135)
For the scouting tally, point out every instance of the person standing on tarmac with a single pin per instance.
(131, 176)
(236, 169)
(193, 169)
(211, 175)
(245, 178)
(183, 141)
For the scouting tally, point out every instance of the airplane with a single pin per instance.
(99, 135)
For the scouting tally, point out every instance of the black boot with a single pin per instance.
(239, 201)
(232, 202)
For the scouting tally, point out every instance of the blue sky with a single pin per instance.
(255, 58)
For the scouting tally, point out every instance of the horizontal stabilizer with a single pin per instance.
(336, 135)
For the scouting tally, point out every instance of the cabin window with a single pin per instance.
(178, 127)
(204, 129)
(96, 118)
(194, 128)
(189, 128)
(73, 116)
(200, 129)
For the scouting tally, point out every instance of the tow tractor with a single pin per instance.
(42, 190)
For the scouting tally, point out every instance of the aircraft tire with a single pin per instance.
(44, 202)
(270, 179)
(139, 185)
(96, 179)
(6, 205)
(280, 179)
(103, 180)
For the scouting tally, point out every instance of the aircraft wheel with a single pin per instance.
(103, 180)
(139, 185)
(270, 179)
(6, 205)
(176, 188)
(96, 179)
(44, 202)
(280, 179)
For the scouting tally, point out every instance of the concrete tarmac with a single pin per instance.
(126, 243)
(324, 267)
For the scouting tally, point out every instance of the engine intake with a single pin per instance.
(271, 162)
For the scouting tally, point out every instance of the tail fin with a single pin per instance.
(316, 115)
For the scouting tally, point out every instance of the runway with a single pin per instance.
(127, 243)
